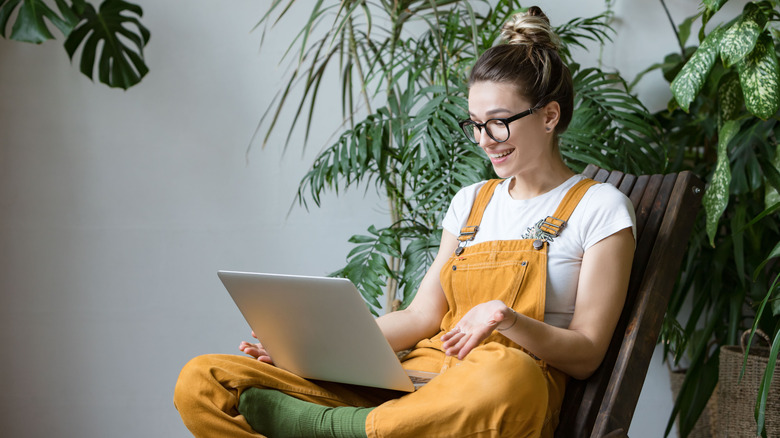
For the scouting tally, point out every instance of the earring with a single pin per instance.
(548, 129)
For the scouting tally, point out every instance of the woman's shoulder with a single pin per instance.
(606, 195)
(468, 193)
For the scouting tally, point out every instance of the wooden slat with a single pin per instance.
(615, 177)
(646, 203)
(638, 190)
(627, 184)
(590, 170)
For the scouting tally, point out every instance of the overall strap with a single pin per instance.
(553, 225)
(475, 216)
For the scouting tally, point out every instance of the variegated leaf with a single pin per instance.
(714, 5)
(691, 78)
(716, 197)
(771, 197)
(759, 75)
(741, 37)
(729, 98)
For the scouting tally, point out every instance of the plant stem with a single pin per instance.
(674, 28)
(353, 49)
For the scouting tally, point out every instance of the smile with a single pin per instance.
(500, 154)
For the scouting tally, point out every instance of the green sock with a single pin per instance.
(278, 415)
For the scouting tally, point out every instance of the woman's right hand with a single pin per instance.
(256, 350)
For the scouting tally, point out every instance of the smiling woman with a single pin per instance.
(525, 291)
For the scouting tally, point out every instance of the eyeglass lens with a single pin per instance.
(496, 129)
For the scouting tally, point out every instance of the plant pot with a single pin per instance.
(737, 397)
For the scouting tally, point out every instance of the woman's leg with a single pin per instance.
(209, 387)
(496, 391)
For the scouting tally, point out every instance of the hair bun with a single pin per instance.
(531, 28)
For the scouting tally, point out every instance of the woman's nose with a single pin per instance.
(484, 139)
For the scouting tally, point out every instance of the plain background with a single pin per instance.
(119, 207)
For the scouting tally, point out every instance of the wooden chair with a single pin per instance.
(666, 207)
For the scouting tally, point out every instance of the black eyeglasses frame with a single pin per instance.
(470, 124)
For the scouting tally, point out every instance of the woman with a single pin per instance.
(525, 291)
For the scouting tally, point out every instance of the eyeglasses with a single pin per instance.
(497, 129)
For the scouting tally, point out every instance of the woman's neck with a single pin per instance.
(529, 185)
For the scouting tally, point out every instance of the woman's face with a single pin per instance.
(530, 143)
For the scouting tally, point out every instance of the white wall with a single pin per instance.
(118, 208)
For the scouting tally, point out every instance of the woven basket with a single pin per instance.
(737, 398)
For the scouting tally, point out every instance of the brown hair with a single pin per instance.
(529, 59)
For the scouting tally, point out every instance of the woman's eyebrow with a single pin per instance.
(493, 112)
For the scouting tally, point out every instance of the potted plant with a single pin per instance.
(403, 69)
(723, 123)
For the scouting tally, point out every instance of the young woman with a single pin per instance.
(525, 291)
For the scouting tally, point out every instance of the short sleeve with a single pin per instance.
(607, 211)
(460, 207)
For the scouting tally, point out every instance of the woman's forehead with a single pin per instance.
(492, 96)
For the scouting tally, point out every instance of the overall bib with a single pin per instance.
(497, 390)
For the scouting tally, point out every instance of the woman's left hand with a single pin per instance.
(475, 327)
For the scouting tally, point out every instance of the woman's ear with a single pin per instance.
(552, 115)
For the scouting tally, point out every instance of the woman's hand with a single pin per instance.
(256, 350)
(476, 326)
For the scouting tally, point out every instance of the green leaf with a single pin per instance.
(121, 63)
(716, 196)
(771, 195)
(729, 98)
(713, 5)
(694, 73)
(741, 37)
(30, 26)
(766, 384)
(759, 75)
(684, 31)
(772, 255)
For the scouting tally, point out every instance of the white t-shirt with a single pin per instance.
(603, 211)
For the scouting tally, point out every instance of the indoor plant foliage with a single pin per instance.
(403, 69)
(111, 35)
(723, 123)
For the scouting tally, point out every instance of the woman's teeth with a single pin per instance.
(500, 155)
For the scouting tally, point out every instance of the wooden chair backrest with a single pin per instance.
(666, 207)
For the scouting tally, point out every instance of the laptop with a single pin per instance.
(319, 328)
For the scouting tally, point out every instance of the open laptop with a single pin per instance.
(319, 328)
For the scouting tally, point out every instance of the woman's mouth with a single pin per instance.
(498, 157)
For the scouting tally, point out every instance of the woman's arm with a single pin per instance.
(422, 319)
(578, 350)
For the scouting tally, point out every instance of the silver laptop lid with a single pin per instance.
(317, 328)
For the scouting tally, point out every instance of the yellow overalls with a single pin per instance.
(497, 390)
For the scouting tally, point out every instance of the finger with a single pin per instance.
(459, 343)
(450, 334)
(451, 340)
(496, 319)
(467, 347)
(265, 358)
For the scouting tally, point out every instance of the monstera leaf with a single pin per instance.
(30, 26)
(115, 24)
(120, 64)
